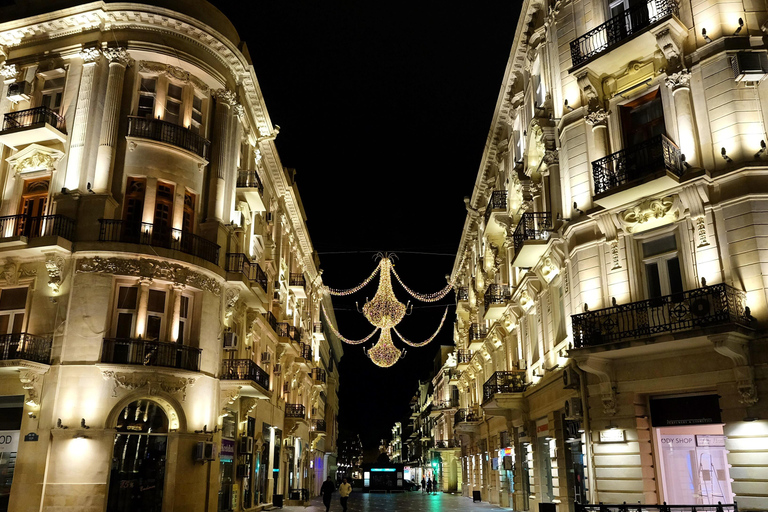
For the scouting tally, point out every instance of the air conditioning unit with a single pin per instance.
(204, 451)
(230, 340)
(243, 470)
(246, 445)
(266, 357)
(570, 378)
(278, 369)
(749, 66)
(573, 409)
(19, 91)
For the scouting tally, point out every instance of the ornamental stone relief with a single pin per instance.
(649, 214)
(154, 382)
(174, 72)
(677, 80)
(598, 117)
(35, 158)
(153, 269)
(549, 269)
(54, 265)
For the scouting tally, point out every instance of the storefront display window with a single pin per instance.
(11, 410)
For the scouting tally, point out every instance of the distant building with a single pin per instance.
(350, 457)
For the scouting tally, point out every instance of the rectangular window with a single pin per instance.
(125, 309)
(147, 89)
(188, 222)
(661, 263)
(53, 90)
(197, 114)
(13, 307)
(163, 208)
(135, 189)
(173, 108)
(183, 316)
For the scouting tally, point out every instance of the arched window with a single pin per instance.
(138, 460)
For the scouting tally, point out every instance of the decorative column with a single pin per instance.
(90, 58)
(225, 99)
(680, 84)
(141, 313)
(119, 60)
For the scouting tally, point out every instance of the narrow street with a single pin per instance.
(410, 501)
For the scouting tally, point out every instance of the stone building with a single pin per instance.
(611, 313)
(161, 341)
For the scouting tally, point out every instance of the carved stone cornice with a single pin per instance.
(153, 381)
(597, 117)
(679, 80)
(9, 71)
(153, 269)
(90, 55)
(173, 72)
(118, 55)
(225, 96)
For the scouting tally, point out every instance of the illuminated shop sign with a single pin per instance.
(612, 435)
(382, 470)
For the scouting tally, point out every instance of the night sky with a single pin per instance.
(384, 108)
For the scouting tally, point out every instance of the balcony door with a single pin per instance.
(161, 226)
(628, 16)
(642, 119)
(13, 311)
(661, 263)
(133, 212)
(34, 200)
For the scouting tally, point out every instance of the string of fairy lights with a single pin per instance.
(385, 312)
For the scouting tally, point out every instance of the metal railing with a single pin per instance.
(636, 162)
(244, 369)
(497, 294)
(271, 321)
(618, 29)
(240, 263)
(497, 201)
(462, 294)
(32, 118)
(463, 356)
(450, 443)
(532, 226)
(466, 415)
(297, 279)
(511, 381)
(170, 133)
(249, 179)
(318, 425)
(624, 507)
(295, 411)
(700, 308)
(442, 405)
(305, 351)
(35, 227)
(317, 327)
(477, 332)
(25, 346)
(318, 374)
(168, 238)
(150, 353)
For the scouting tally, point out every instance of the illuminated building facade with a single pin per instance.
(161, 346)
(610, 328)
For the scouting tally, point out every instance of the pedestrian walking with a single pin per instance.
(423, 485)
(434, 486)
(344, 491)
(327, 491)
(429, 486)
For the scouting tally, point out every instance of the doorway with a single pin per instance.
(34, 200)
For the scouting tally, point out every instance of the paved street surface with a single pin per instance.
(400, 502)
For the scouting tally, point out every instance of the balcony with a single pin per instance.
(37, 124)
(286, 330)
(467, 421)
(496, 204)
(477, 334)
(630, 29)
(22, 228)
(496, 298)
(150, 353)
(305, 353)
(503, 394)
(708, 310)
(318, 426)
(297, 284)
(318, 376)
(239, 263)
(462, 294)
(449, 444)
(636, 172)
(463, 357)
(253, 380)
(317, 331)
(442, 406)
(252, 188)
(530, 238)
(25, 347)
(295, 411)
(169, 133)
(168, 238)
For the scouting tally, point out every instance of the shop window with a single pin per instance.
(13, 308)
(147, 91)
(661, 264)
(138, 459)
(11, 413)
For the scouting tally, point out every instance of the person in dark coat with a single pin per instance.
(423, 485)
(327, 491)
(429, 486)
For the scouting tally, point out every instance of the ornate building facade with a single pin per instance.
(611, 317)
(161, 342)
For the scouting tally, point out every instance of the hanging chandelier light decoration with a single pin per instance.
(385, 312)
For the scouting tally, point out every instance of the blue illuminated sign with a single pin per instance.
(383, 470)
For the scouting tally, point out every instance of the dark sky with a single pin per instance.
(384, 108)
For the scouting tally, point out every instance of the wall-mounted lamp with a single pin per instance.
(89, 188)
(725, 155)
(59, 425)
(83, 425)
(576, 207)
(705, 36)
(762, 149)
(80, 435)
(741, 26)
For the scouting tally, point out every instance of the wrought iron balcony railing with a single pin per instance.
(239, 262)
(512, 381)
(244, 369)
(249, 179)
(318, 374)
(33, 118)
(624, 507)
(169, 133)
(463, 356)
(295, 411)
(462, 294)
(271, 320)
(317, 327)
(25, 346)
(449, 443)
(442, 405)
(477, 332)
(497, 294)
(35, 227)
(497, 201)
(305, 351)
(318, 425)
(532, 226)
(637, 162)
(618, 29)
(168, 238)
(701, 308)
(150, 353)
(297, 279)
(466, 415)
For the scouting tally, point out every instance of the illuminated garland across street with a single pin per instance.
(384, 312)
(342, 338)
